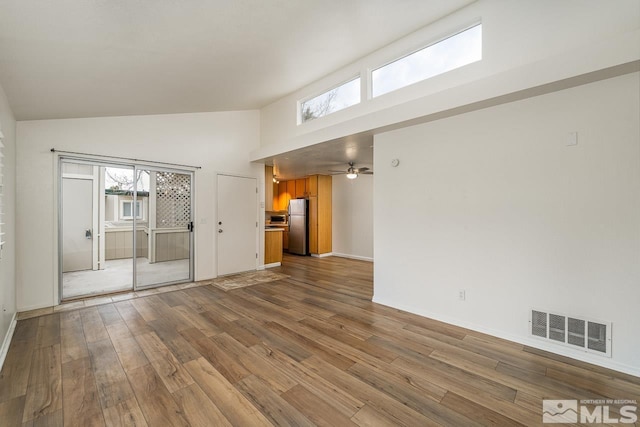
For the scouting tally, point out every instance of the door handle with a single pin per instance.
(88, 234)
(219, 230)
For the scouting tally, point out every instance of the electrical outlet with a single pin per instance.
(462, 295)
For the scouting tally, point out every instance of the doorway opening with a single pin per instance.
(123, 227)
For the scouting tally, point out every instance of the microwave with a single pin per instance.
(278, 219)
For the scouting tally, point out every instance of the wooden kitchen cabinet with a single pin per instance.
(272, 247)
(313, 224)
(276, 201)
(320, 239)
(283, 235)
(301, 185)
(317, 189)
(283, 196)
(324, 214)
(282, 193)
(287, 190)
(285, 238)
(268, 188)
(311, 186)
(291, 192)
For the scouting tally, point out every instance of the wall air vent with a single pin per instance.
(579, 333)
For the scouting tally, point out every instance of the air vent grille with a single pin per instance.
(539, 323)
(576, 332)
(597, 337)
(557, 327)
(579, 333)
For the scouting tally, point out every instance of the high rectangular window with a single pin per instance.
(333, 100)
(448, 54)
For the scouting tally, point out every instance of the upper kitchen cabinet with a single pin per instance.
(301, 188)
(282, 193)
(283, 196)
(311, 186)
(291, 192)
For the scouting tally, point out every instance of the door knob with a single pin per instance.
(219, 230)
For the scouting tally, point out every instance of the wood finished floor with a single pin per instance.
(308, 350)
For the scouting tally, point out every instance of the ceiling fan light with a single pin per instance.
(352, 175)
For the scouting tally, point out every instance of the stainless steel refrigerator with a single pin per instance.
(299, 226)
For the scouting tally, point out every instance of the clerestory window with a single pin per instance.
(453, 52)
(336, 99)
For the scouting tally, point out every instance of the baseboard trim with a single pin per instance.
(35, 307)
(7, 340)
(273, 264)
(322, 255)
(358, 257)
(603, 362)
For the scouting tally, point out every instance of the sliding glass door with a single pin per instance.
(163, 235)
(96, 243)
(122, 227)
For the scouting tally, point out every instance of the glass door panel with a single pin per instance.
(96, 243)
(163, 227)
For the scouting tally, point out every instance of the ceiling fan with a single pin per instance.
(352, 172)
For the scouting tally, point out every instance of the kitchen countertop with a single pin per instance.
(274, 229)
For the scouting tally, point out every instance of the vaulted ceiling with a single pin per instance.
(91, 58)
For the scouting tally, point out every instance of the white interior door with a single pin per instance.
(77, 226)
(237, 224)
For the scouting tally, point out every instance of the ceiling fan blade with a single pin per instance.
(361, 170)
(336, 172)
(367, 173)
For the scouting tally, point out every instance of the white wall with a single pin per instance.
(525, 44)
(495, 203)
(352, 217)
(219, 142)
(7, 263)
(529, 49)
